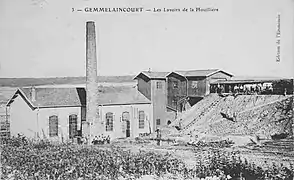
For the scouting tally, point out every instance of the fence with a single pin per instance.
(4, 126)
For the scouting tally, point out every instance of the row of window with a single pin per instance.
(125, 117)
(73, 123)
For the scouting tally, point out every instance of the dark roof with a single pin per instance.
(153, 74)
(54, 97)
(76, 97)
(201, 73)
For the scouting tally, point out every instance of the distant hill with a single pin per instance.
(20, 82)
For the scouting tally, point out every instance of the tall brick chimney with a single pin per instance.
(91, 80)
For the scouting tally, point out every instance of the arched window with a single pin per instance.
(73, 125)
(53, 126)
(141, 119)
(109, 121)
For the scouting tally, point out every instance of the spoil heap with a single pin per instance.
(262, 115)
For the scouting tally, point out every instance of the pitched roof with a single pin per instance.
(200, 73)
(153, 74)
(189, 73)
(54, 97)
(76, 97)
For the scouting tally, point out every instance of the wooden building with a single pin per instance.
(153, 85)
(185, 88)
(253, 86)
(174, 92)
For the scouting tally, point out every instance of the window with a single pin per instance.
(175, 85)
(159, 85)
(194, 84)
(157, 122)
(53, 126)
(141, 119)
(73, 125)
(109, 121)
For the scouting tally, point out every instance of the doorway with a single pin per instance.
(126, 121)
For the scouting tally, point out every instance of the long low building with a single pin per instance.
(59, 113)
(263, 86)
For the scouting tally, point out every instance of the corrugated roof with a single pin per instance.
(60, 97)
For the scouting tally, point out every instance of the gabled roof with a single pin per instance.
(76, 97)
(153, 74)
(189, 73)
(54, 97)
(201, 73)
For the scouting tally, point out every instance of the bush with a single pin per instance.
(43, 160)
(23, 159)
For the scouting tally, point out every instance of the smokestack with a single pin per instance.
(91, 77)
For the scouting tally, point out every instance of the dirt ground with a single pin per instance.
(278, 151)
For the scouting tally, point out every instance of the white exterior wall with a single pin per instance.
(117, 121)
(30, 122)
(23, 119)
(63, 114)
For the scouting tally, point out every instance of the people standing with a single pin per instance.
(158, 137)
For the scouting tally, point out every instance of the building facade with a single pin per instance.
(153, 85)
(186, 88)
(59, 113)
(174, 92)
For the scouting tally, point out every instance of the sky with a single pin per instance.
(44, 38)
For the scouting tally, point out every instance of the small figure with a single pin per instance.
(158, 137)
(108, 139)
(95, 140)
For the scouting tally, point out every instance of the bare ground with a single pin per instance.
(278, 151)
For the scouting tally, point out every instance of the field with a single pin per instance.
(20, 82)
(143, 159)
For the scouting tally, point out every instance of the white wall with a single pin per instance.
(30, 122)
(63, 114)
(117, 122)
(23, 119)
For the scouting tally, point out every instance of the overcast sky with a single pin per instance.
(44, 38)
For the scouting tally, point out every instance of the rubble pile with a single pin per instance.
(262, 115)
(186, 117)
